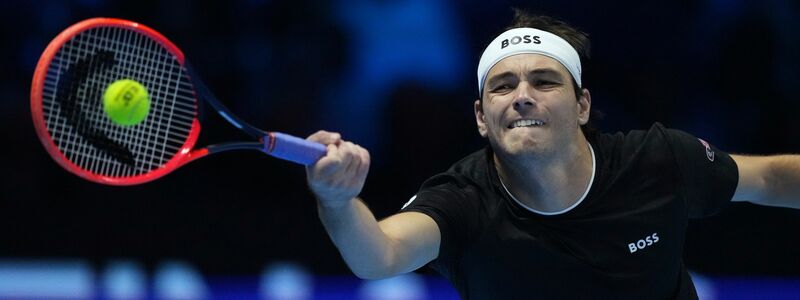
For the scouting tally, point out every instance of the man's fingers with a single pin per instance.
(325, 137)
(342, 161)
(365, 160)
(328, 164)
(340, 174)
(351, 156)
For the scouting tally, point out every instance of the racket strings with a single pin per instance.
(72, 102)
(73, 111)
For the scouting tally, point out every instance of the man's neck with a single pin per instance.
(549, 184)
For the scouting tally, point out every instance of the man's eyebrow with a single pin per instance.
(545, 71)
(500, 77)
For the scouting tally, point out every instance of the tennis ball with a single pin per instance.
(126, 102)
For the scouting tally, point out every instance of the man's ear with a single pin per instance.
(584, 107)
(480, 118)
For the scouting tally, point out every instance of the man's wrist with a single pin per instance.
(334, 204)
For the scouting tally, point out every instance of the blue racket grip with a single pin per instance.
(293, 148)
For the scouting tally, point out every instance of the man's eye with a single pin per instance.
(501, 87)
(544, 82)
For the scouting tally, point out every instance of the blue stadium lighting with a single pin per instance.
(124, 280)
(285, 281)
(176, 280)
(56, 279)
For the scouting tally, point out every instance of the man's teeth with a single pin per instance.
(526, 123)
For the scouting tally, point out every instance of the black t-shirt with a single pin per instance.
(624, 240)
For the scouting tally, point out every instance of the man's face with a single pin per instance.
(529, 106)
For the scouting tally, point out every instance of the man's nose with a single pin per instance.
(524, 97)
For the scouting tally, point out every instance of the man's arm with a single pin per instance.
(769, 180)
(372, 250)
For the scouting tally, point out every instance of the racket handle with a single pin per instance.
(293, 148)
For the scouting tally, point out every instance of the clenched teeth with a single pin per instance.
(525, 123)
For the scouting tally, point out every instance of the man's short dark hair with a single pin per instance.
(576, 38)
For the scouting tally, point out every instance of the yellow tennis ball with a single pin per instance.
(126, 102)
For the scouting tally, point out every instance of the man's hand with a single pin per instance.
(339, 176)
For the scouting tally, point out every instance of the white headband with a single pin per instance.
(529, 40)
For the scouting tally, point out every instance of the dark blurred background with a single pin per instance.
(397, 77)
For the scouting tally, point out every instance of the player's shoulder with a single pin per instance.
(454, 192)
(652, 145)
(656, 135)
(471, 171)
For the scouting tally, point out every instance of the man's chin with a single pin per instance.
(525, 148)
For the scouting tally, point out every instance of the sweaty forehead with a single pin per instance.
(524, 63)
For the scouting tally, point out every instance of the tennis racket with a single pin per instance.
(67, 106)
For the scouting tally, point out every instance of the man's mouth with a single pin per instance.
(526, 123)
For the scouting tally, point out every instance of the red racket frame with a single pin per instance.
(183, 156)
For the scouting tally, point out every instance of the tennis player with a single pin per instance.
(549, 209)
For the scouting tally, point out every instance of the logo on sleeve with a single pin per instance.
(644, 243)
(709, 152)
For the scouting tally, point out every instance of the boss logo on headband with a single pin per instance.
(526, 39)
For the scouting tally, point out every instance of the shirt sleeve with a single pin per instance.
(709, 175)
(449, 205)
